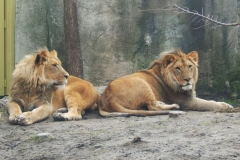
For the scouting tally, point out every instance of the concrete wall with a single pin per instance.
(118, 39)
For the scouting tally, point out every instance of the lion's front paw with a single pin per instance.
(13, 119)
(25, 119)
(225, 107)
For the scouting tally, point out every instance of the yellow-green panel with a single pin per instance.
(2, 89)
(10, 8)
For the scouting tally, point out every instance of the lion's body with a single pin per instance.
(171, 79)
(41, 86)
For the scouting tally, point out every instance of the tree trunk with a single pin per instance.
(72, 39)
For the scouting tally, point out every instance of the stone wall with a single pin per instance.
(117, 38)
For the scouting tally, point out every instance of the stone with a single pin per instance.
(43, 134)
(174, 114)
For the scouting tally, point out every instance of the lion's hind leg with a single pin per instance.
(67, 116)
(154, 105)
(162, 106)
(62, 110)
(167, 106)
(75, 108)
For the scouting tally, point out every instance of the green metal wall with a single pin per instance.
(2, 75)
(7, 27)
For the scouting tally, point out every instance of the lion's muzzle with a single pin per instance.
(187, 87)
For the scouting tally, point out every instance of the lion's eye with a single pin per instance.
(178, 68)
(190, 66)
(55, 65)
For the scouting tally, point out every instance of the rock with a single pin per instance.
(97, 146)
(136, 139)
(43, 134)
(174, 114)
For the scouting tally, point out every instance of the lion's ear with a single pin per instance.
(42, 56)
(54, 53)
(194, 56)
(168, 59)
(154, 63)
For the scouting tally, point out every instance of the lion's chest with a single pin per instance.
(33, 100)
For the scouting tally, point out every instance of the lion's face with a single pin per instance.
(51, 69)
(181, 70)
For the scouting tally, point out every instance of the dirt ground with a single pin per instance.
(194, 135)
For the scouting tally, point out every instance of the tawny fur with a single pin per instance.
(41, 86)
(168, 83)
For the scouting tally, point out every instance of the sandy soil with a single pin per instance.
(194, 135)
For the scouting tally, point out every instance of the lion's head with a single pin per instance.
(41, 69)
(178, 70)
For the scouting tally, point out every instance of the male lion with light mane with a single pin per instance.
(169, 83)
(41, 86)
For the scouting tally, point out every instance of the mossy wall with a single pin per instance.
(119, 37)
(220, 57)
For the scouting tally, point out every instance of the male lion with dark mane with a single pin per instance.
(41, 86)
(168, 83)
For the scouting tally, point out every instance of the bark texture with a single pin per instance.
(72, 39)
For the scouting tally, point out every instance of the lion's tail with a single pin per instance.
(138, 113)
(114, 114)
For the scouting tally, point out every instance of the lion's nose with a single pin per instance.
(187, 79)
(66, 76)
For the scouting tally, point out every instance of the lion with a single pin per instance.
(41, 87)
(169, 83)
